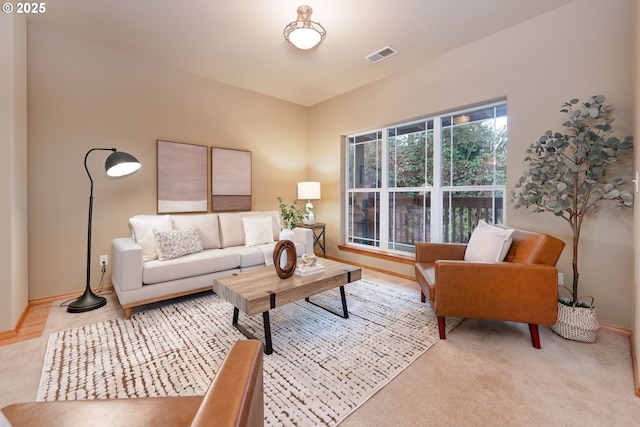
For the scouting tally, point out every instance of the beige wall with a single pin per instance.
(13, 170)
(578, 50)
(83, 96)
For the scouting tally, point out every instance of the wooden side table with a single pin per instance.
(318, 235)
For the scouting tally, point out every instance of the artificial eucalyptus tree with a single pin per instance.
(567, 172)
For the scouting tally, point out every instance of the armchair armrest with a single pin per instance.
(500, 291)
(236, 395)
(126, 269)
(234, 399)
(429, 253)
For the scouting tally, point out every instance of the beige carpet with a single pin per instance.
(322, 367)
(484, 374)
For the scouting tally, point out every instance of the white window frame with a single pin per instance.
(437, 190)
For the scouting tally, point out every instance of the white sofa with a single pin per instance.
(173, 255)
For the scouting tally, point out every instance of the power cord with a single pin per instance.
(97, 291)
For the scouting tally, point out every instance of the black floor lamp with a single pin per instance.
(117, 164)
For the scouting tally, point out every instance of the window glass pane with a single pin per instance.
(463, 209)
(364, 218)
(474, 148)
(410, 155)
(364, 160)
(409, 219)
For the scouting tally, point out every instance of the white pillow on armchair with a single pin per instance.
(488, 243)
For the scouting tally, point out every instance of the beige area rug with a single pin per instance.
(322, 367)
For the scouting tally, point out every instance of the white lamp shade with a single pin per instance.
(309, 190)
(305, 38)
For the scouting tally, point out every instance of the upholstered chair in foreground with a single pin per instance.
(235, 398)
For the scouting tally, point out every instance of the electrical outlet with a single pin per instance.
(560, 278)
(104, 260)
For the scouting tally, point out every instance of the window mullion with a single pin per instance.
(384, 194)
(436, 193)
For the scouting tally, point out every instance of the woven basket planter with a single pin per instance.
(576, 323)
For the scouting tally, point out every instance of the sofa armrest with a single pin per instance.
(126, 268)
(501, 291)
(304, 236)
(429, 253)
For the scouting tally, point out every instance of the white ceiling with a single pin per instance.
(239, 42)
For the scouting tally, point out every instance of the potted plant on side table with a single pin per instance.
(567, 177)
(291, 215)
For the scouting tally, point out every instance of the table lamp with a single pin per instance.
(311, 191)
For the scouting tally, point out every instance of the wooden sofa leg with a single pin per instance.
(127, 313)
(423, 298)
(441, 328)
(535, 335)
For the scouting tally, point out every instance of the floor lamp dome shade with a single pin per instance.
(117, 164)
(120, 163)
(309, 190)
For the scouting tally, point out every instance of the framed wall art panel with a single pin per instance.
(182, 177)
(230, 180)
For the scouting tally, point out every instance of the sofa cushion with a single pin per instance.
(176, 243)
(249, 256)
(142, 232)
(231, 229)
(275, 218)
(204, 262)
(488, 243)
(206, 224)
(257, 230)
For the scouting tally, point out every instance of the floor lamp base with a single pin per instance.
(87, 302)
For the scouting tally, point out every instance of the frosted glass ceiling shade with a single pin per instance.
(304, 33)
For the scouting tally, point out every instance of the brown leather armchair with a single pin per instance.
(522, 288)
(234, 398)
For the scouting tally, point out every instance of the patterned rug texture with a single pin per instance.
(322, 367)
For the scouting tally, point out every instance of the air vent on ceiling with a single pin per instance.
(383, 53)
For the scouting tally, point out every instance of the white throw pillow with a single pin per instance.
(142, 231)
(257, 230)
(176, 243)
(488, 243)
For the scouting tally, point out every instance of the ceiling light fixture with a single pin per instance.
(304, 33)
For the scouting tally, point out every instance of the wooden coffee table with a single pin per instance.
(260, 290)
